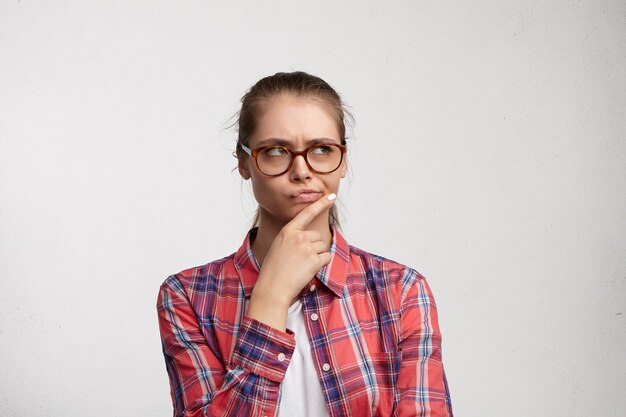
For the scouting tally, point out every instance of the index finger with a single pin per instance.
(306, 216)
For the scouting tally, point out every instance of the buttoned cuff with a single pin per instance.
(263, 350)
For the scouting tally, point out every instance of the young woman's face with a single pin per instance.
(294, 122)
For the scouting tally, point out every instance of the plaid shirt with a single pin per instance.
(371, 322)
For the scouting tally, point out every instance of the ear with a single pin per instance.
(344, 168)
(242, 166)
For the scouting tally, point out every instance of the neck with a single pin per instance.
(269, 227)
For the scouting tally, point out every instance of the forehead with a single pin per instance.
(296, 120)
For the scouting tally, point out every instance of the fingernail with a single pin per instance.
(332, 196)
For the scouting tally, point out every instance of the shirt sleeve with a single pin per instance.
(422, 381)
(203, 383)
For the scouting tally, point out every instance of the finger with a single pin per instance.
(319, 247)
(312, 236)
(324, 258)
(306, 216)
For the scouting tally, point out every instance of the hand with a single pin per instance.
(295, 256)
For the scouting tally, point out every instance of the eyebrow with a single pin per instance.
(287, 144)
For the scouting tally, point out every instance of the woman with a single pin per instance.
(297, 322)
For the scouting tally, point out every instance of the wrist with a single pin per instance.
(269, 307)
(266, 295)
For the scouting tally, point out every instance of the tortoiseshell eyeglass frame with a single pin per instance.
(254, 153)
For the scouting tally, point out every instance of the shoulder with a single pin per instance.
(384, 272)
(199, 278)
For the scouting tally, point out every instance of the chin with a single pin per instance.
(280, 216)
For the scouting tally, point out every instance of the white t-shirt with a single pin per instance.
(301, 391)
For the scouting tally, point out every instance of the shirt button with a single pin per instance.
(312, 287)
(314, 317)
(281, 357)
(326, 367)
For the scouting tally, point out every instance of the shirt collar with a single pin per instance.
(332, 275)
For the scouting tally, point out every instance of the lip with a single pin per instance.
(305, 191)
(306, 196)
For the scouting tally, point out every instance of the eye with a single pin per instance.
(275, 151)
(322, 150)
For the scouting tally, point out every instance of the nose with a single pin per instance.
(299, 170)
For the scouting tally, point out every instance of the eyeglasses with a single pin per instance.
(275, 160)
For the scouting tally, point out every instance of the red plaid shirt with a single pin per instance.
(371, 322)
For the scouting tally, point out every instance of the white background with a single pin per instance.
(489, 153)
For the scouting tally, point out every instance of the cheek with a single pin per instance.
(258, 187)
(264, 191)
(334, 182)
